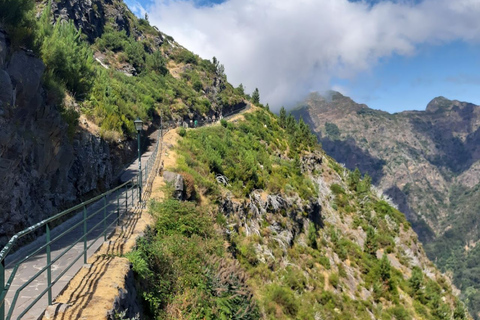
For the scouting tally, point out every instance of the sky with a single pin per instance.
(392, 55)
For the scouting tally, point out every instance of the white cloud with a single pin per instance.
(136, 8)
(288, 48)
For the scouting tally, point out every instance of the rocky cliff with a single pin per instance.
(427, 162)
(66, 120)
(42, 169)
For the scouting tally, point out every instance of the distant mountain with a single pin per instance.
(428, 162)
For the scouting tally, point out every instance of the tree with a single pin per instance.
(14, 12)
(371, 245)
(282, 120)
(354, 179)
(240, 89)
(156, 62)
(290, 124)
(416, 281)
(385, 272)
(312, 235)
(256, 96)
(67, 58)
(364, 185)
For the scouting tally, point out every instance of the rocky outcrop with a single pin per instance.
(269, 207)
(126, 304)
(43, 170)
(87, 15)
(177, 182)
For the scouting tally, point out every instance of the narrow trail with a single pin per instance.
(89, 290)
(92, 292)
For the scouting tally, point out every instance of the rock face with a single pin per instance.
(177, 182)
(89, 15)
(42, 169)
(426, 161)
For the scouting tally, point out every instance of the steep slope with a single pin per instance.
(73, 77)
(427, 162)
(276, 229)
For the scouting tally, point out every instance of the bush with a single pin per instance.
(182, 131)
(334, 279)
(283, 298)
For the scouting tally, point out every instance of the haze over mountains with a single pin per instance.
(428, 162)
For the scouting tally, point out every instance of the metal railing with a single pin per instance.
(97, 219)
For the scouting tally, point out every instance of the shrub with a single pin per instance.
(182, 131)
(334, 280)
(312, 235)
(67, 58)
(189, 183)
(282, 297)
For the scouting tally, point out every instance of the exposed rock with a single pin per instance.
(179, 187)
(129, 70)
(6, 90)
(126, 303)
(91, 168)
(89, 15)
(43, 169)
(3, 48)
(26, 73)
(311, 162)
(177, 181)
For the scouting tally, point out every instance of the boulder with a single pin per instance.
(177, 181)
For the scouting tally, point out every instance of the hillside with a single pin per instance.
(73, 77)
(269, 226)
(427, 162)
(273, 228)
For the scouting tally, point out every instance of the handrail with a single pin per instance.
(113, 205)
(116, 204)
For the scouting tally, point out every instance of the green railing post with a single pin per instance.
(49, 261)
(118, 209)
(2, 285)
(84, 235)
(104, 218)
(126, 199)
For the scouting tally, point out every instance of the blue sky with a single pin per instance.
(390, 55)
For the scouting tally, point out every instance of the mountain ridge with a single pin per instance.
(422, 159)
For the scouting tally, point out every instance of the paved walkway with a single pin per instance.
(37, 262)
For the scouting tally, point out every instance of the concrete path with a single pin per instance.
(37, 262)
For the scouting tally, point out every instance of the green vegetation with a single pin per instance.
(244, 154)
(183, 269)
(289, 279)
(111, 97)
(278, 260)
(332, 130)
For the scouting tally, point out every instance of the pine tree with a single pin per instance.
(354, 179)
(371, 245)
(282, 120)
(256, 96)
